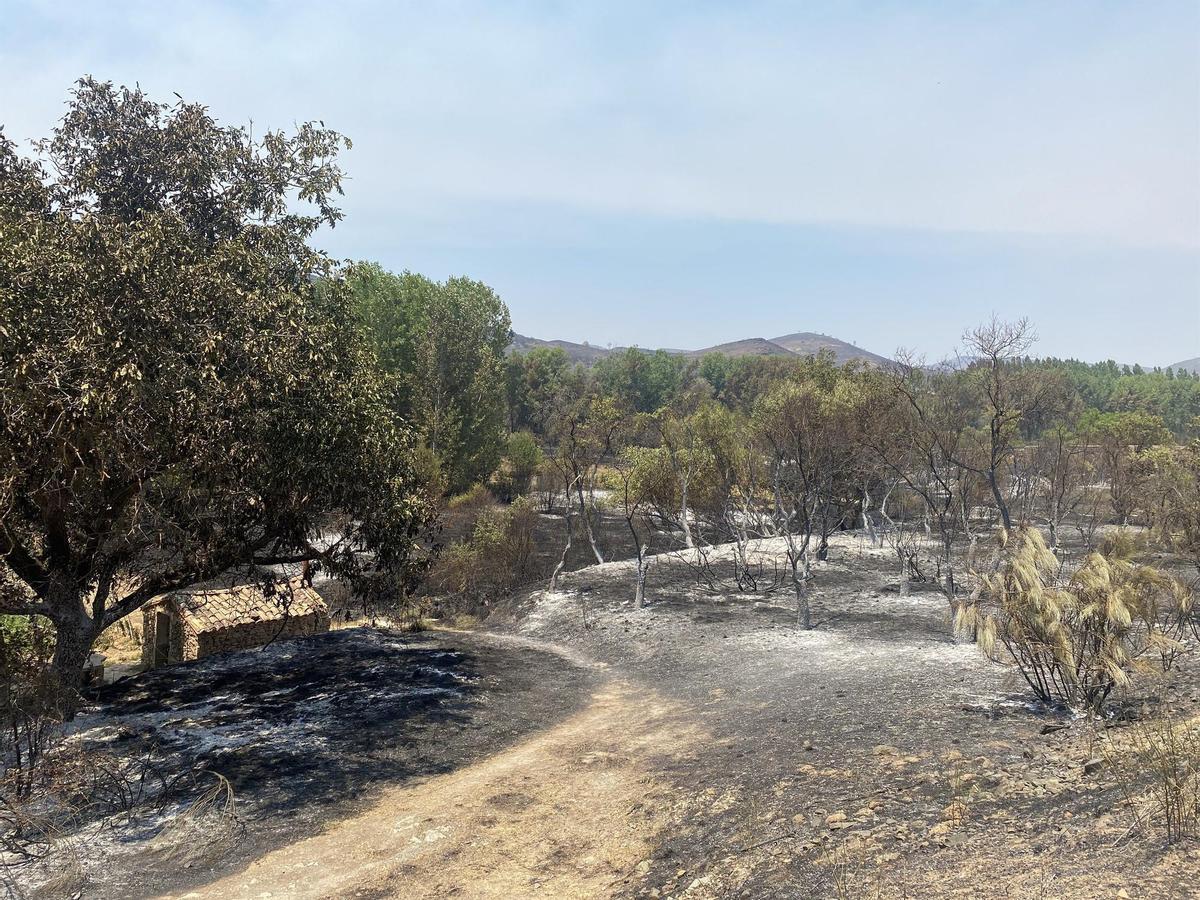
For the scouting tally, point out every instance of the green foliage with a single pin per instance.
(497, 554)
(443, 346)
(1120, 438)
(524, 458)
(175, 397)
(1106, 387)
(642, 381)
(1171, 479)
(532, 381)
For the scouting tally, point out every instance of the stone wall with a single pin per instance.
(243, 637)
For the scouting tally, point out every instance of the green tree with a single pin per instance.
(1119, 438)
(176, 399)
(524, 458)
(532, 381)
(443, 345)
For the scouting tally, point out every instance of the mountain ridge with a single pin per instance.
(800, 344)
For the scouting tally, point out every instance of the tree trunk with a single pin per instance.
(562, 560)
(868, 524)
(683, 517)
(803, 612)
(639, 597)
(587, 525)
(800, 585)
(72, 647)
(1005, 517)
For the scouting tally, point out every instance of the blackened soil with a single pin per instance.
(307, 731)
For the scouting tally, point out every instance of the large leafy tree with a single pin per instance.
(443, 344)
(176, 400)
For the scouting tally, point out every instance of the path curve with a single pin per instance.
(569, 812)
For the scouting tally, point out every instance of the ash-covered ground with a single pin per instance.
(874, 755)
(703, 747)
(305, 732)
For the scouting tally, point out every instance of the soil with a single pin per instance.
(700, 747)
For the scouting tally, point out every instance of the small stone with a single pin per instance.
(835, 818)
(1050, 728)
(1092, 766)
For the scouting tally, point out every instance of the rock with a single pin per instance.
(1050, 728)
(1092, 766)
(835, 818)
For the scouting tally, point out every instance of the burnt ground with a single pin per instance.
(875, 755)
(701, 747)
(306, 732)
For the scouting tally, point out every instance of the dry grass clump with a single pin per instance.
(1159, 772)
(1077, 637)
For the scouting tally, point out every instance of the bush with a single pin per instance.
(496, 556)
(1122, 544)
(1074, 639)
(523, 458)
(473, 499)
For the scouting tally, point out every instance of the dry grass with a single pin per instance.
(1157, 764)
(122, 641)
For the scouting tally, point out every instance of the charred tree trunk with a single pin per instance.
(73, 639)
(643, 569)
(562, 560)
(587, 524)
(1001, 505)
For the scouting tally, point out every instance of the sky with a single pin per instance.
(685, 173)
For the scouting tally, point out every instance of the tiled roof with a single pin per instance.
(246, 605)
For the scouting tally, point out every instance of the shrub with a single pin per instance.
(429, 472)
(474, 498)
(1122, 544)
(496, 556)
(1074, 639)
(523, 458)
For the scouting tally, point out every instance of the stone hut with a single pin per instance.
(191, 625)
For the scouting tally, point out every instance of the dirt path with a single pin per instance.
(570, 812)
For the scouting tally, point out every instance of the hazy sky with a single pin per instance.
(679, 174)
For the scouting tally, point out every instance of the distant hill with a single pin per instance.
(748, 347)
(802, 343)
(806, 343)
(1188, 365)
(583, 353)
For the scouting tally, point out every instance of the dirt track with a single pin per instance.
(568, 813)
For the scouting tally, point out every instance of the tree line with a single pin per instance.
(188, 389)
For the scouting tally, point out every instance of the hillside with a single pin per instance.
(800, 343)
(807, 343)
(747, 347)
(1188, 365)
(584, 353)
